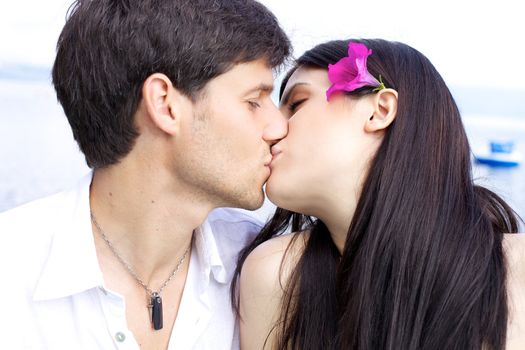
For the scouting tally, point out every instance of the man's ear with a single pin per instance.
(385, 110)
(162, 102)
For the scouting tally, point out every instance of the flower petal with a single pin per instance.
(344, 70)
(351, 73)
(358, 50)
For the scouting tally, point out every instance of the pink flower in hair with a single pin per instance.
(350, 73)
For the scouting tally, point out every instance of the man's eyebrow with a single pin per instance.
(267, 88)
(287, 94)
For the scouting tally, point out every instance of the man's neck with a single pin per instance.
(148, 218)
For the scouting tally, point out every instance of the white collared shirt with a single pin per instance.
(52, 294)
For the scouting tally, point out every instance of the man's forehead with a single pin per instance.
(247, 77)
(261, 88)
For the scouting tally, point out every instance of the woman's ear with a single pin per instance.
(385, 110)
(161, 101)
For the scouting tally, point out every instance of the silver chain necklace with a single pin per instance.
(155, 303)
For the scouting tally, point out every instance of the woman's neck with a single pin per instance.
(337, 220)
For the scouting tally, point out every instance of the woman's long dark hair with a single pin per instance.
(423, 265)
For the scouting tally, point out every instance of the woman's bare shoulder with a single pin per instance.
(274, 259)
(263, 279)
(514, 247)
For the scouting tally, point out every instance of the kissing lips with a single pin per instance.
(276, 151)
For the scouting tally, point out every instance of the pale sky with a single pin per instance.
(472, 43)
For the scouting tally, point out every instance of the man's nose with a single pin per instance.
(276, 126)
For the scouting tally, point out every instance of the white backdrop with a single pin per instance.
(474, 44)
(478, 43)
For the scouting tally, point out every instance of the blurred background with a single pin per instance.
(477, 46)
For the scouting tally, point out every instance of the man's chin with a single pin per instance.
(248, 201)
(254, 205)
(254, 201)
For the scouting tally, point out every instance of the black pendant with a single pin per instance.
(156, 311)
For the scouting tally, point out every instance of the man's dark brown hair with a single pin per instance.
(108, 48)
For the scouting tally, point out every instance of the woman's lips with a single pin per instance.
(275, 150)
(275, 155)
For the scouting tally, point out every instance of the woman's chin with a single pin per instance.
(281, 196)
(272, 191)
(275, 192)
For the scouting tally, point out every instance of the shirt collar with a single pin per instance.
(72, 265)
(208, 255)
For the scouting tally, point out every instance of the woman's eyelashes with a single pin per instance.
(292, 107)
(253, 104)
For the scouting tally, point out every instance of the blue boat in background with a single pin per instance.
(501, 154)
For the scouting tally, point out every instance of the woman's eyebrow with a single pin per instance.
(288, 93)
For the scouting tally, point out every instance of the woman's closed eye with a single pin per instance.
(253, 104)
(292, 107)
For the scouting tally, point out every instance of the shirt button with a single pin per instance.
(120, 337)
